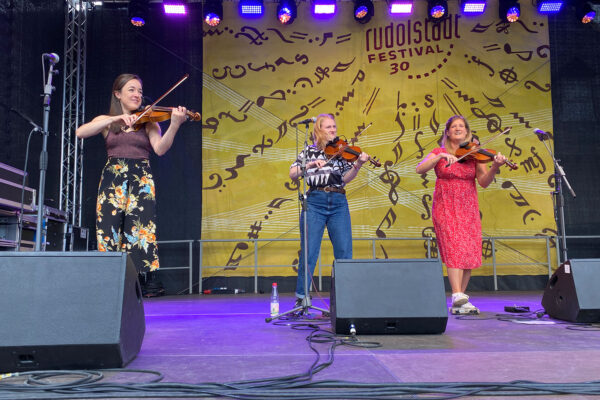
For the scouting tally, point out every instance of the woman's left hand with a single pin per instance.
(178, 115)
(363, 158)
(499, 159)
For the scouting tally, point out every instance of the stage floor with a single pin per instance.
(223, 338)
(199, 339)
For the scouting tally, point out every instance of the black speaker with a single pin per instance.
(572, 293)
(388, 296)
(79, 310)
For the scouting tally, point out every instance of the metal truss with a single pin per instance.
(73, 111)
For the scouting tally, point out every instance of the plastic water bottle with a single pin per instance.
(274, 300)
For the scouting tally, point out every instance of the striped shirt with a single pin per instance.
(329, 175)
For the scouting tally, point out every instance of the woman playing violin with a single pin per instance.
(455, 209)
(326, 203)
(125, 210)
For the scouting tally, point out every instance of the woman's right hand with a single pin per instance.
(450, 159)
(316, 164)
(126, 119)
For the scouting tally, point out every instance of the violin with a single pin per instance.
(472, 151)
(159, 114)
(340, 148)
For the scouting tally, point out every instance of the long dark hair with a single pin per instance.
(115, 104)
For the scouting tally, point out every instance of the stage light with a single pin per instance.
(213, 12)
(175, 8)
(138, 12)
(473, 6)
(324, 7)
(437, 9)
(401, 7)
(509, 10)
(251, 8)
(363, 10)
(549, 6)
(287, 11)
(585, 13)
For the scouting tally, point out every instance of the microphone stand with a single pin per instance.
(41, 228)
(558, 198)
(36, 128)
(306, 303)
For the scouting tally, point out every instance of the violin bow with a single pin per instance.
(474, 149)
(160, 98)
(361, 132)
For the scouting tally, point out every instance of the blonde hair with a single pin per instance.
(319, 135)
(449, 123)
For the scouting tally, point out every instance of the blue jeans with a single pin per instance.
(324, 209)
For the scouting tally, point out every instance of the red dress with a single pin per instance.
(455, 213)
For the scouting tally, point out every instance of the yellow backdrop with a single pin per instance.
(404, 75)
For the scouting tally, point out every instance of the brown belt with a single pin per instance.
(328, 189)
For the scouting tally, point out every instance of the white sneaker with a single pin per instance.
(458, 299)
(468, 306)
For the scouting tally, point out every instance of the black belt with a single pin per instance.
(328, 189)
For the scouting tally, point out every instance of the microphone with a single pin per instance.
(308, 120)
(541, 134)
(52, 57)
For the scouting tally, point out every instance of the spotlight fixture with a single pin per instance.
(473, 6)
(437, 9)
(363, 10)
(403, 7)
(509, 10)
(138, 12)
(549, 6)
(175, 8)
(324, 7)
(585, 13)
(287, 11)
(213, 12)
(251, 8)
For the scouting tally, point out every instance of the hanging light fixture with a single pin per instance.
(437, 9)
(363, 10)
(138, 12)
(324, 7)
(473, 6)
(509, 10)
(287, 11)
(400, 7)
(251, 8)
(213, 12)
(584, 12)
(549, 6)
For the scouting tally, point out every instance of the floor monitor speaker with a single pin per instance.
(73, 310)
(572, 293)
(391, 296)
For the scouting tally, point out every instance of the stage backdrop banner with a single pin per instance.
(391, 84)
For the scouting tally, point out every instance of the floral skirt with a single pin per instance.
(125, 211)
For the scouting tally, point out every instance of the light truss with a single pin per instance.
(73, 112)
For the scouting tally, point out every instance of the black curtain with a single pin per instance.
(576, 112)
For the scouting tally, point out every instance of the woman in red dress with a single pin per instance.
(455, 211)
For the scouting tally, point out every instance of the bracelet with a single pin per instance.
(356, 166)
